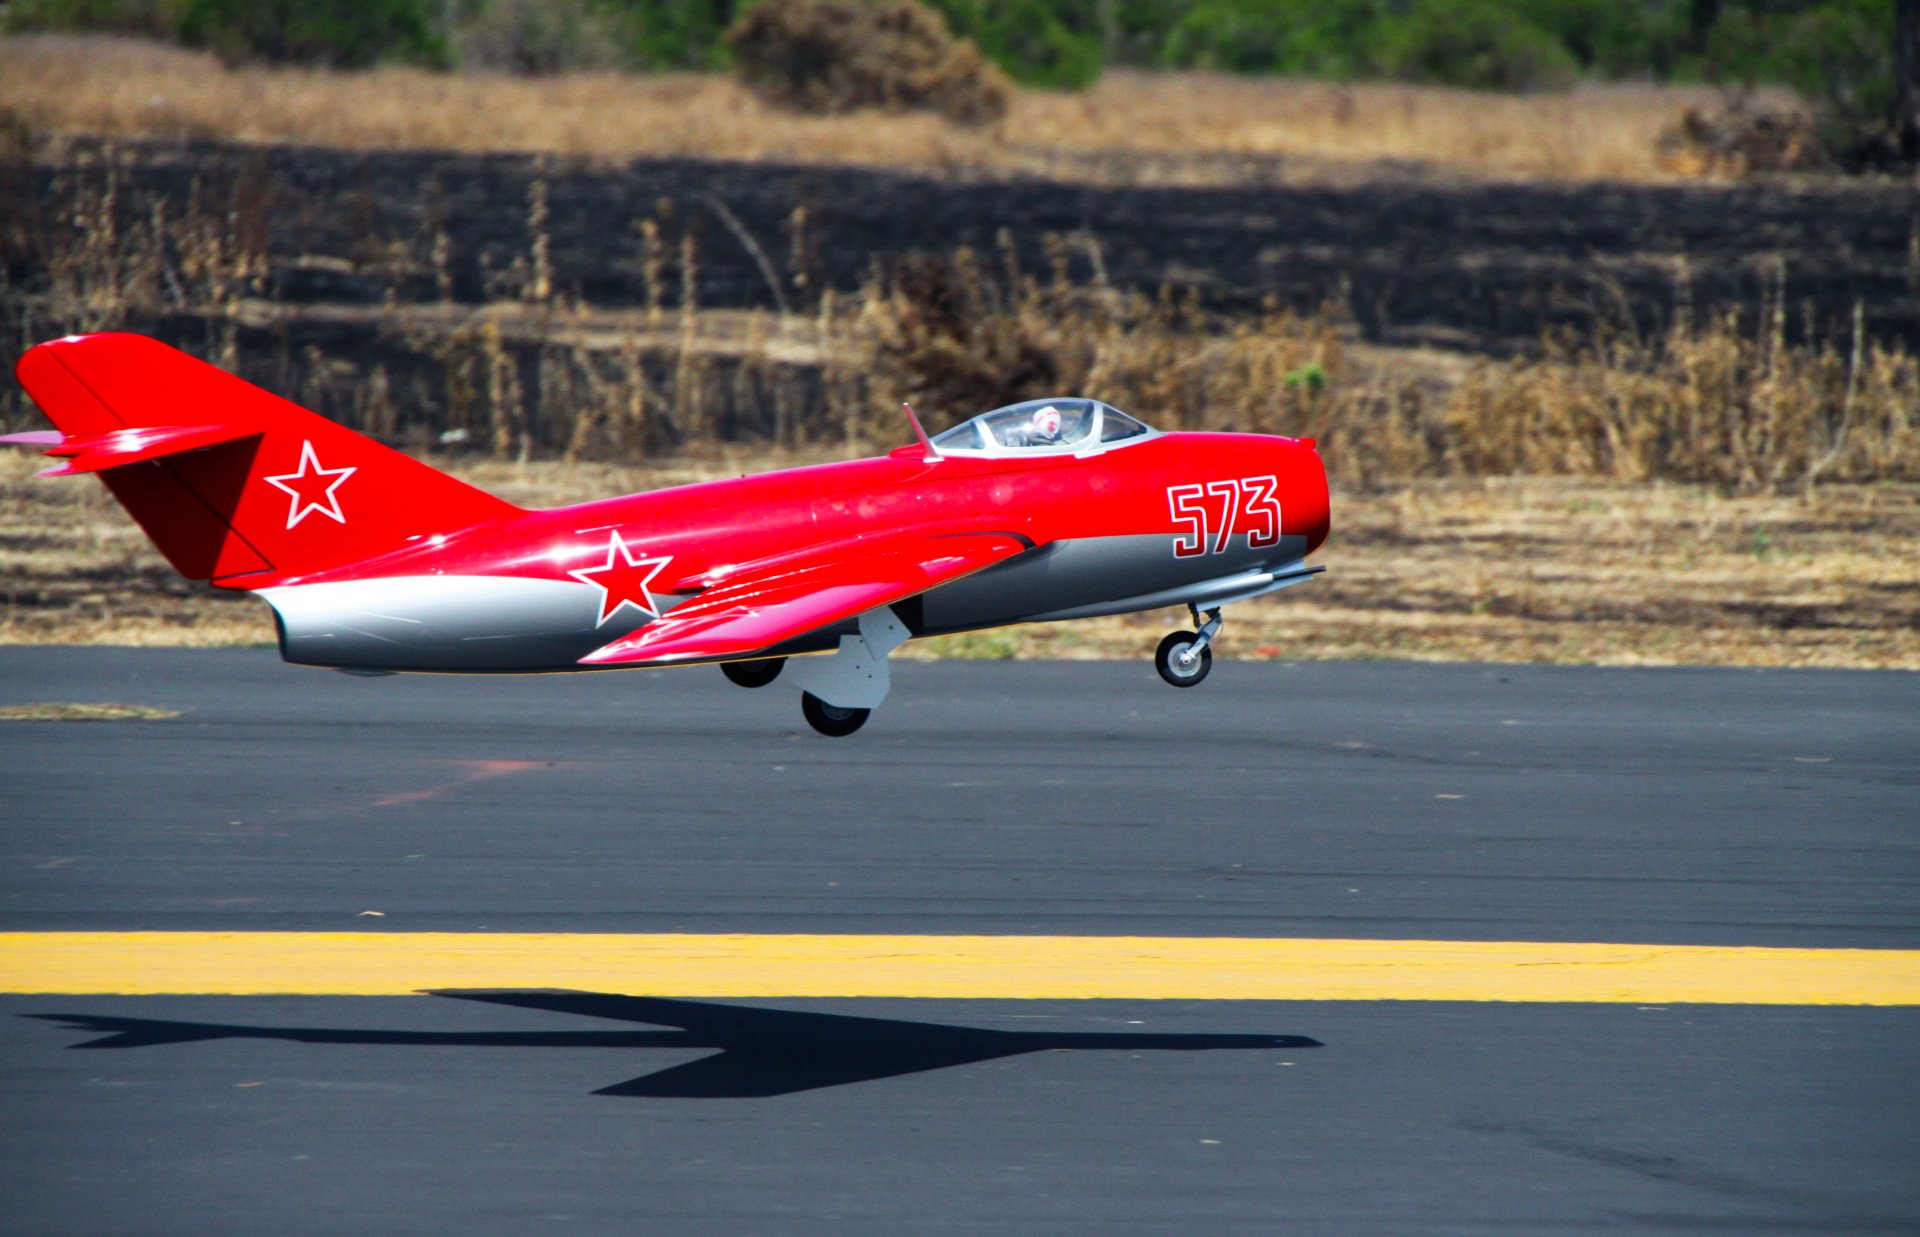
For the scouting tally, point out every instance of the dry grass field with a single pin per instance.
(1722, 487)
(1535, 570)
(1161, 128)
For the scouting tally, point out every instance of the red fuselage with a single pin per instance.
(1055, 508)
(1136, 520)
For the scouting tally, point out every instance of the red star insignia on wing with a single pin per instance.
(312, 488)
(623, 580)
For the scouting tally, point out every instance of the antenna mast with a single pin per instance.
(933, 455)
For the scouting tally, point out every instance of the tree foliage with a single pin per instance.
(342, 33)
(1838, 52)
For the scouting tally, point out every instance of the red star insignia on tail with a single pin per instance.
(312, 488)
(623, 580)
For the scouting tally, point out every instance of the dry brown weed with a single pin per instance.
(1132, 126)
(1728, 400)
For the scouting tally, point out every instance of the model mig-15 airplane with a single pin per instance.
(375, 562)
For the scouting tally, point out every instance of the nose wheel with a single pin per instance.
(1179, 663)
(1184, 657)
(831, 719)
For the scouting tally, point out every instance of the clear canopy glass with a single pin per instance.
(1042, 425)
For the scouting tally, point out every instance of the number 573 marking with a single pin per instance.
(1215, 508)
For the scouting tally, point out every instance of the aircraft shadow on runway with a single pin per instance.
(763, 1052)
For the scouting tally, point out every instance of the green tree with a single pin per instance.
(677, 34)
(151, 18)
(340, 33)
(1272, 36)
(1038, 42)
(1610, 39)
(1473, 43)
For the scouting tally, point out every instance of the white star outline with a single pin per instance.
(615, 544)
(310, 467)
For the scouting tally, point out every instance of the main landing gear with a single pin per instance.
(838, 692)
(1184, 658)
(831, 719)
(752, 673)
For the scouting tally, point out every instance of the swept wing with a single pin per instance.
(754, 609)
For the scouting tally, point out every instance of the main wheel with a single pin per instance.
(752, 673)
(831, 719)
(1176, 663)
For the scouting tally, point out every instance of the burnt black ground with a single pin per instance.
(1414, 259)
(1687, 806)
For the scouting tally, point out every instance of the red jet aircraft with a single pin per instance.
(374, 562)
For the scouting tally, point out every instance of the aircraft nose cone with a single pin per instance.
(1312, 502)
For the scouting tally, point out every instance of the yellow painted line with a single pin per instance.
(1132, 967)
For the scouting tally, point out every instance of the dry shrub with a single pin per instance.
(958, 335)
(538, 37)
(827, 56)
(100, 257)
(950, 335)
(1726, 403)
(1740, 139)
(20, 206)
(1723, 404)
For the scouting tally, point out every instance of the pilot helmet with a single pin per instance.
(1046, 422)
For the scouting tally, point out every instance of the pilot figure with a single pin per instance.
(1044, 429)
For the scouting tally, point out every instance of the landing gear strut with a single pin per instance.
(1184, 658)
(831, 719)
(839, 692)
(752, 673)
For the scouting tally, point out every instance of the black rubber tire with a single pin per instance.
(1177, 642)
(830, 720)
(752, 673)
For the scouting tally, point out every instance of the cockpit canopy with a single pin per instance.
(1042, 425)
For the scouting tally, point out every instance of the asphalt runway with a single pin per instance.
(1316, 800)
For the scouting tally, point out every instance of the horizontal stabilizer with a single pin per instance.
(832, 584)
(86, 453)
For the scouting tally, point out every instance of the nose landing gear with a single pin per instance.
(1184, 658)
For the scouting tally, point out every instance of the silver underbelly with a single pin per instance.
(503, 624)
(1075, 579)
(445, 623)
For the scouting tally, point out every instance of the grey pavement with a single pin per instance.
(1314, 799)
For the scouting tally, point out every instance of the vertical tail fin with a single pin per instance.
(228, 480)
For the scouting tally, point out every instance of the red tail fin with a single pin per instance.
(229, 480)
